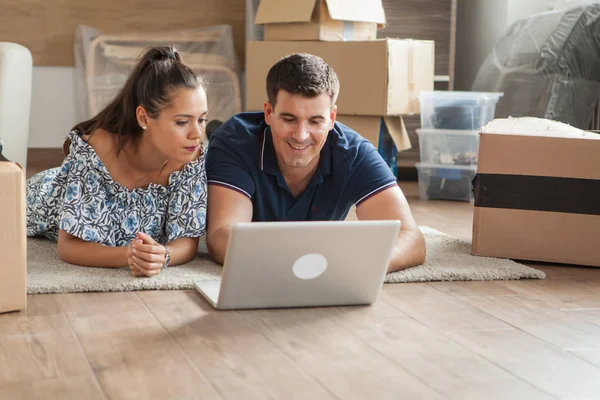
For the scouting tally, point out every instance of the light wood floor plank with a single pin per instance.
(564, 294)
(41, 305)
(571, 272)
(589, 315)
(238, 360)
(349, 368)
(54, 389)
(590, 355)
(444, 365)
(546, 367)
(438, 310)
(129, 350)
(39, 348)
(159, 380)
(473, 288)
(537, 318)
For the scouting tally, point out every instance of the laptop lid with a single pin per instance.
(305, 264)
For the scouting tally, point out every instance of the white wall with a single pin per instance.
(52, 106)
(479, 25)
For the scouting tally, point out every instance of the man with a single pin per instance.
(294, 162)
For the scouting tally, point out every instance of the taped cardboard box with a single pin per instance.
(372, 128)
(537, 192)
(380, 77)
(327, 20)
(13, 238)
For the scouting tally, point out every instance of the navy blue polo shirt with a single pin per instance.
(241, 157)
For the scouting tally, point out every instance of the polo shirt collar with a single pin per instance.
(267, 160)
(326, 159)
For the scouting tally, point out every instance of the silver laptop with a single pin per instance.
(303, 264)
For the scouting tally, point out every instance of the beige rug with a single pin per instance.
(448, 259)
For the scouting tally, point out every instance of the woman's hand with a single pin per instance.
(135, 271)
(146, 257)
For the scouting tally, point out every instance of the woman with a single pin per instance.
(132, 188)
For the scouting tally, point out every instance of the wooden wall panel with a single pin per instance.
(425, 19)
(47, 27)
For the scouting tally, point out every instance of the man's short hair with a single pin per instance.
(304, 74)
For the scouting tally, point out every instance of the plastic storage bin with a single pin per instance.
(446, 182)
(457, 110)
(448, 147)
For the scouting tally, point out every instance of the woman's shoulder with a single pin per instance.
(99, 140)
(191, 171)
(83, 158)
(78, 142)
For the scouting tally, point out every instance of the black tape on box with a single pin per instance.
(537, 193)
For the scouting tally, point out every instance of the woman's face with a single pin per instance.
(179, 129)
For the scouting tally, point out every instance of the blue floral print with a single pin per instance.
(81, 198)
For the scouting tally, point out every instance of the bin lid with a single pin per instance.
(460, 95)
(470, 167)
(432, 131)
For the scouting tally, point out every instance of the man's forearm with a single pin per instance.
(409, 251)
(89, 254)
(216, 243)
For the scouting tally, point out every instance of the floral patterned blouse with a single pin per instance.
(81, 198)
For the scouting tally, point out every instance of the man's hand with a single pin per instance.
(391, 204)
(225, 208)
(146, 257)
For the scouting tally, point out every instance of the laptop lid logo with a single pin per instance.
(309, 266)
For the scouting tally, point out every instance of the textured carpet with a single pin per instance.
(448, 259)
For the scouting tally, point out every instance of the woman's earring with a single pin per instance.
(144, 127)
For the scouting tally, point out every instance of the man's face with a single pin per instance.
(299, 126)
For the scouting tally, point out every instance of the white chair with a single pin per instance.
(16, 68)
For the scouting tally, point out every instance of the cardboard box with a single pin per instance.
(13, 238)
(378, 77)
(372, 127)
(328, 20)
(537, 192)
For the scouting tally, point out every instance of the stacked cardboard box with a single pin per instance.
(380, 79)
(13, 240)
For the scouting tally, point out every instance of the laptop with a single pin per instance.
(303, 264)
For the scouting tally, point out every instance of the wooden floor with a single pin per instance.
(526, 339)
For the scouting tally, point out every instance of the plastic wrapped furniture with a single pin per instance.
(103, 63)
(548, 66)
(16, 68)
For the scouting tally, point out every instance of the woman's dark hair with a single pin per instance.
(158, 72)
